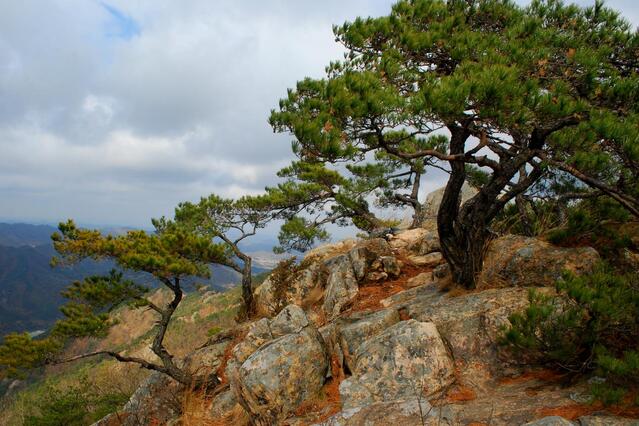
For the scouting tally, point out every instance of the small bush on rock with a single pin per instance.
(281, 276)
(591, 327)
(589, 223)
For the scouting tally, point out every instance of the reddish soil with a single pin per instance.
(570, 412)
(372, 293)
(329, 403)
(228, 351)
(460, 393)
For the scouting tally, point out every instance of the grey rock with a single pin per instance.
(258, 335)
(434, 199)
(390, 265)
(470, 323)
(302, 286)
(429, 243)
(606, 421)
(153, 401)
(365, 253)
(223, 404)
(356, 329)
(408, 359)
(205, 360)
(514, 260)
(341, 285)
(442, 271)
(291, 319)
(411, 412)
(420, 279)
(275, 379)
(428, 260)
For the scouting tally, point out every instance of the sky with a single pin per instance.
(112, 112)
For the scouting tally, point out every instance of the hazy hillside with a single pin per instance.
(21, 234)
(30, 288)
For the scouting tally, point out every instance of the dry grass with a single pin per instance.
(196, 411)
(328, 402)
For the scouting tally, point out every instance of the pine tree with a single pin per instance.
(513, 90)
(170, 256)
(227, 222)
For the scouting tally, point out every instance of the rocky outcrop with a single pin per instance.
(416, 354)
(335, 274)
(341, 285)
(434, 200)
(223, 404)
(515, 260)
(275, 379)
(356, 329)
(299, 287)
(280, 364)
(470, 323)
(154, 401)
(584, 421)
(207, 360)
(407, 360)
(412, 412)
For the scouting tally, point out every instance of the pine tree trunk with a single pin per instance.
(247, 286)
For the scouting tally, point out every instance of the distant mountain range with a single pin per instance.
(30, 288)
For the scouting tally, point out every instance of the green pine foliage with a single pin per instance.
(495, 93)
(592, 328)
(590, 222)
(169, 255)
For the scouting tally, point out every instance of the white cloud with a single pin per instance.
(116, 116)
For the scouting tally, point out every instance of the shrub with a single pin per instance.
(590, 223)
(78, 404)
(280, 277)
(591, 327)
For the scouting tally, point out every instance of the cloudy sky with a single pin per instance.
(112, 112)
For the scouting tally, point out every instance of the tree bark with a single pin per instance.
(247, 285)
(167, 366)
(464, 232)
(418, 214)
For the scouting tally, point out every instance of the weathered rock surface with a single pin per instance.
(283, 363)
(223, 404)
(291, 319)
(275, 379)
(514, 260)
(550, 421)
(408, 358)
(206, 360)
(298, 289)
(606, 421)
(398, 360)
(420, 279)
(341, 285)
(427, 261)
(409, 413)
(584, 421)
(365, 253)
(334, 274)
(407, 238)
(470, 323)
(356, 329)
(434, 200)
(154, 401)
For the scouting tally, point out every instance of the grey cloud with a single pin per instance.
(110, 125)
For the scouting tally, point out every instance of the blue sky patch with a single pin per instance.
(120, 25)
